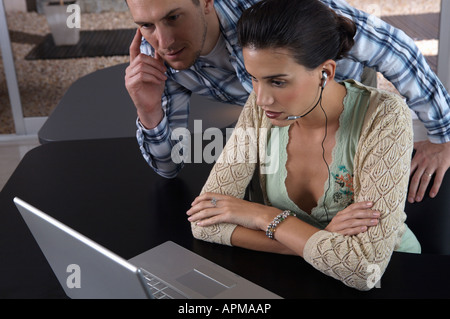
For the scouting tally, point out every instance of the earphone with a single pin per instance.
(324, 79)
(322, 87)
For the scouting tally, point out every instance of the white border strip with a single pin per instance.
(444, 45)
(10, 73)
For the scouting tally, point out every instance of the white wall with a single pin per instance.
(15, 5)
(444, 45)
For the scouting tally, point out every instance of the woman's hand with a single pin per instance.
(354, 219)
(210, 209)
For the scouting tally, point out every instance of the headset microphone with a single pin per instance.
(324, 82)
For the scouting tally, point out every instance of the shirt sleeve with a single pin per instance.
(382, 164)
(156, 148)
(162, 146)
(394, 54)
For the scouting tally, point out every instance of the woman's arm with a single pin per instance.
(257, 240)
(253, 219)
(232, 172)
(382, 164)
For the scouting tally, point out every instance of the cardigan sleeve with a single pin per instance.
(233, 170)
(382, 165)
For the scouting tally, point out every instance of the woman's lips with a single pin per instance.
(273, 115)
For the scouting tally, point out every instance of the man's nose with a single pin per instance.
(165, 38)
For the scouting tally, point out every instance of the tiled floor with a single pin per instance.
(12, 150)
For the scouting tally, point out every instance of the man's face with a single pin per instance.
(176, 29)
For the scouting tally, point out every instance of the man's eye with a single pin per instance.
(173, 18)
(147, 26)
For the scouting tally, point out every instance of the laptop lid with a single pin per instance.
(84, 269)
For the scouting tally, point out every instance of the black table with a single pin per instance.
(98, 106)
(105, 190)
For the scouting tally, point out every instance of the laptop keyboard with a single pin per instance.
(161, 290)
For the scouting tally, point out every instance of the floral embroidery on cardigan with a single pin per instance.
(344, 182)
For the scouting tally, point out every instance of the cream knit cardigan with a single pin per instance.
(381, 174)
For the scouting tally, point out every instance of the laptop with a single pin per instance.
(86, 270)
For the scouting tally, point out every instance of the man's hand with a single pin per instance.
(430, 159)
(145, 81)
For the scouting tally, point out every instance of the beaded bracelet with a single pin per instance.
(277, 220)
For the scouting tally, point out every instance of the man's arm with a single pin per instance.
(157, 144)
(156, 106)
(394, 54)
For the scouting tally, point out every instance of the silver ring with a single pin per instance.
(429, 175)
(214, 202)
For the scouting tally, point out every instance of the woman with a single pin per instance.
(335, 194)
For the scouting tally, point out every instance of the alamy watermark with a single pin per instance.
(74, 279)
(190, 148)
(374, 279)
(74, 19)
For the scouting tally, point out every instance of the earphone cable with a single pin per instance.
(324, 159)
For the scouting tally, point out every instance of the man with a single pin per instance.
(185, 46)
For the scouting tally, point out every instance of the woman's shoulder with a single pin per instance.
(379, 97)
(372, 90)
(382, 102)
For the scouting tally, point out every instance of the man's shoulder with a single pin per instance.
(234, 7)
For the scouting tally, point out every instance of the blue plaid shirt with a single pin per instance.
(377, 45)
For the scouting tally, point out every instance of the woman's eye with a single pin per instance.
(278, 83)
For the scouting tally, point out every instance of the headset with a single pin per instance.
(322, 87)
(291, 118)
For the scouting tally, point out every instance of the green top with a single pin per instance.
(338, 191)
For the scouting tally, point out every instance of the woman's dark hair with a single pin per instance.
(313, 32)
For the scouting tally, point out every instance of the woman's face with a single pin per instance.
(283, 87)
